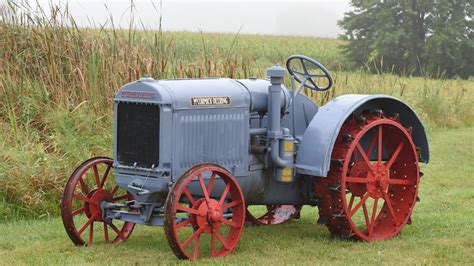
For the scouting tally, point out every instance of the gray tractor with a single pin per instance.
(193, 154)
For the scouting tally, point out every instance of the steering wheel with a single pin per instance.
(304, 69)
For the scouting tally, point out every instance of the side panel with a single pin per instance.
(217, 136)
(314, 153)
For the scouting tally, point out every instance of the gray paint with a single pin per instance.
(191, 135)
(305, 110)
(211, 135)
(314, 154)
(258, 89)
(275, 133)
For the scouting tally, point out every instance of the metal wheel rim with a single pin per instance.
(378, 226)
(91, 206)
(351, 184)
(205, 223)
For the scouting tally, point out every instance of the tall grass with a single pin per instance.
(58, 82)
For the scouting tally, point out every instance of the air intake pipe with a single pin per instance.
(275, 132)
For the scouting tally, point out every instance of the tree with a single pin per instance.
(420, 37)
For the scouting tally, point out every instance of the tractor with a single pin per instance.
(192, 155)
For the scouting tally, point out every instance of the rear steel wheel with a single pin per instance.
(371, 188)
(89, 185)
(276, 214)
(198, 225)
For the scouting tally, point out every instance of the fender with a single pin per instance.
(314, 152)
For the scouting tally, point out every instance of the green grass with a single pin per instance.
(441, 232)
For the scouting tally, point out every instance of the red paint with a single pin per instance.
(86, 199)
(204, 213)
(389, 181)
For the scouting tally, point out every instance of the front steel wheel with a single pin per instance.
(197, 226)
(372, 186)
(89, 185)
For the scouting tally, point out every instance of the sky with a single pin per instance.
(304, 17)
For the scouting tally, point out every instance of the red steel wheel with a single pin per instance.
(85, 189)
(194, 223)
(276, 214)
(372, 186)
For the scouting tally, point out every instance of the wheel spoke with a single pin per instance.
(80, 197)
(352, 179)
(78, 211)
(390, 207)
(84, 187)
(104, 177)
(366, 215)
(196, 233)
(396, 181)
(312, 82)
(362, 201)
(231, 223)
(91, 233)
(304, 67)
(188, 210)
(351, 201)
(213, 243)
(84, 227)
(196, 247)
(356, 158)
(211, 183)
(231, 204)
(106, 233)
(114, 190)
(96, 174)
(395, 154)
(189, 196)
(374, 214)
(117, 231)
(126, 196)
(379, 146)
(364, 156)
(183, 224)
(221, 239)
(203, 188)
(224, 193)
(372, 145)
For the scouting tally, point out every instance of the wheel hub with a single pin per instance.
(97, 196)
(377, 180)
(211, 214)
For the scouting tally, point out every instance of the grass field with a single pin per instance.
(441, 232)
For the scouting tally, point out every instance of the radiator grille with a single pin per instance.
(138, 134)
(216, 136)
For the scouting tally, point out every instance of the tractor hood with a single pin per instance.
(187, 93)
(201, 93)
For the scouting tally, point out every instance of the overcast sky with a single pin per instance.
(303, 17)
